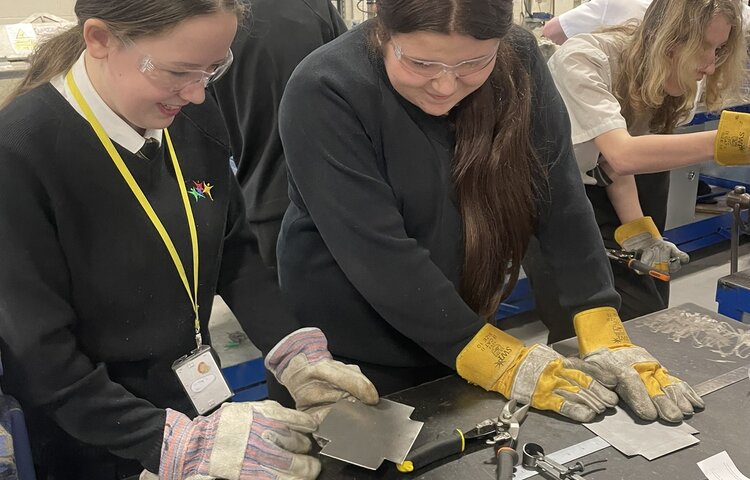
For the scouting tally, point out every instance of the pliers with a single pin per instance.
(507, 456)
(630, 260)
(501, 429)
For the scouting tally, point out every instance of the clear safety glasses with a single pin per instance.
(175, 79)
(436, 69)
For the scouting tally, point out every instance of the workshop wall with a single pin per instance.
(356, 11)
(14, 11)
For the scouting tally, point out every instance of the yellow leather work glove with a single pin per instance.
(732, 144)
(537, 375)
(642, 237)
(643, 384)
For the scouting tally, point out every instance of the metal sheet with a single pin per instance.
(637, 437)
(365, 435)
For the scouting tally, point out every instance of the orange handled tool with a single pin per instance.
(629, 260)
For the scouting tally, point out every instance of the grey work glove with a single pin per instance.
(569, 385)
(640, 380)
(642, 237)
(240, 441)
(536, 375)
(302, 363)
(7, 455)
(645, 385)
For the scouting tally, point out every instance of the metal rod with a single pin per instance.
(735, 238)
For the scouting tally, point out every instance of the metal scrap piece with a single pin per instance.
(365, 435)
(638, 437)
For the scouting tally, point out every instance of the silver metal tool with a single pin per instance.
(365, 435)
(724, 380)
(506, 455)
(565, 455)
(533, 457)
(738, 200)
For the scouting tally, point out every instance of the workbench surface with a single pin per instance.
(694, 343)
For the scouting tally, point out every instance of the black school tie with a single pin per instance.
(149, 149)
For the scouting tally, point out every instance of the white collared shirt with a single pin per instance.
(596, 14)
(115, 127)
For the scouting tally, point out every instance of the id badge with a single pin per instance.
(202, 379)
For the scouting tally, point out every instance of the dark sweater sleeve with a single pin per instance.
(333, 164)
(250, 289)
(337, 23)
(570, 241)
(38, 323)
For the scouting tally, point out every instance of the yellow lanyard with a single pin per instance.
(128, 177)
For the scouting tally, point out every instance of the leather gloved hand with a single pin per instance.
(642, 237)
(240, 441)
(7, 455)
(302, 363)
(732, 144)
(643, 384)
(537, 375)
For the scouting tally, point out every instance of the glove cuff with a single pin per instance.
(629, 230)
(731, 144)
(599, 328)
(310, 342)
(488, 356)
(178, 431)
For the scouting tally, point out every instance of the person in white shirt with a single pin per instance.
(591, 16)
(597, 14)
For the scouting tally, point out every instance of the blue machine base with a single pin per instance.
(247, 380)
(733, 302)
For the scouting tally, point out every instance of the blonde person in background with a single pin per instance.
(121, 223)
(625, 89)
(596, 14)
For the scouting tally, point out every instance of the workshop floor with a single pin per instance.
(695, 283)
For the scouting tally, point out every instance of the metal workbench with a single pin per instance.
(696, 344)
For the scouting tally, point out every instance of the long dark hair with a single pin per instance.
(126, 20)
(495, 169)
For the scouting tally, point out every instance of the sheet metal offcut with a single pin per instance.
(365, 435)
(637, 437)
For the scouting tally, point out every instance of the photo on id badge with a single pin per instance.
(202, 380)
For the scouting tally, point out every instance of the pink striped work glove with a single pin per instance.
(302, 363)
(240, 441)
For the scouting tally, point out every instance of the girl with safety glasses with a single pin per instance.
(425, 148)
(113, 254)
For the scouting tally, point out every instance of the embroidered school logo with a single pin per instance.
(201, 190)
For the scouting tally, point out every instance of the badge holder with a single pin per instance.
(202, 379)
